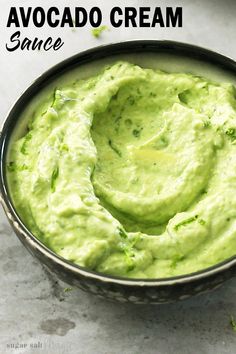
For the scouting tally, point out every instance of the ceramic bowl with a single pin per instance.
(141, 291)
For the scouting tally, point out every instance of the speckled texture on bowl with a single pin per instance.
(120, 289)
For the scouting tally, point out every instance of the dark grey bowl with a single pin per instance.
(139, 291)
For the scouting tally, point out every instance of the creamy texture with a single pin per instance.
(131, 172)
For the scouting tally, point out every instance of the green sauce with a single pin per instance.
(131, 172)
(96, 32)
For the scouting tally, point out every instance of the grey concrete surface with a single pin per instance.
(35, 311)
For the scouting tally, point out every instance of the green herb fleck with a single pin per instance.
(129, 255)
(22, 167)
(27, 138)
(122, 233)
(55, 174)
(231, 132)
(64, 147)
(11, 166)
(114, 148)
(185, 222)
(136, 132)
(203, 191)
(96, 32)
(206, 123)
(184, 96)
(54, 97)
(152, 94)
(202, 222)
(127, 247)
(66, 290)
(129, 258)
(164, 141)
(233, 323)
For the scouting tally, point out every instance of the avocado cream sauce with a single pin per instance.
(131, 172)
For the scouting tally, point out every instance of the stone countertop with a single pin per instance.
(35, 310)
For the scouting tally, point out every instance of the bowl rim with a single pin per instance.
(42, 81)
